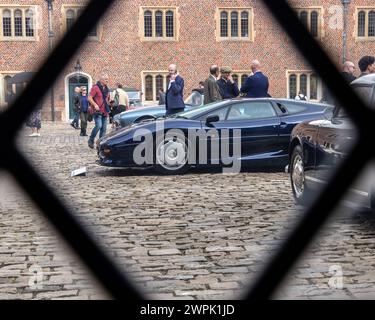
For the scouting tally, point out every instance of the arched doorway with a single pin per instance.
(76, 79)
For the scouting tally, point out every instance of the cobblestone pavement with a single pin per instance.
(203, 235)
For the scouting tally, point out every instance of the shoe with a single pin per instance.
(37, 134)
(72, 124)
(33, 135)
(91, 144)
(76, 127)
(81, 134)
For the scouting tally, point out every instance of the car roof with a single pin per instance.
(368, 79)
(277, 99)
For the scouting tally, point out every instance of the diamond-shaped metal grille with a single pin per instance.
(75, 234)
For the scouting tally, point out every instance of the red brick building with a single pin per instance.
(137, 40)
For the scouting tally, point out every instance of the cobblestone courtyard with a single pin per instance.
(203, 235)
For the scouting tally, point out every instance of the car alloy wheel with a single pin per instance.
(171, 155)
(297, 175)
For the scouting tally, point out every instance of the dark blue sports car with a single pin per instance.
(238, 131)
(317, 147)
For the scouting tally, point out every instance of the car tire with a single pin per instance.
(297, 176)
(171, 155)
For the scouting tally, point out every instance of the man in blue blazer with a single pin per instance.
(174, 101)
(256, 85)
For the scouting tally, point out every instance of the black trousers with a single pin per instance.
(83, 117)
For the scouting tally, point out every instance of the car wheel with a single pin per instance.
(297, 175)
(171, 155)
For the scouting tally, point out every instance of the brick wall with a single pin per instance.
(121, 53)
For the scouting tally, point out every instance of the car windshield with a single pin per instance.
(194, 99)
(365, 93)
(191, 114)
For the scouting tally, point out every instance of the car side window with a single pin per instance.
(251, 110)
(294, 107)
(220, 112)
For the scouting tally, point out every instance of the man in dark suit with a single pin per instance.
(174, 101)
(256, 85)
(228, 87)
(211, 88)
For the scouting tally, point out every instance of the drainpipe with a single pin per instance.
(50, 43)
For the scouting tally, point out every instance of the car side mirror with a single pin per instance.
(211, 119)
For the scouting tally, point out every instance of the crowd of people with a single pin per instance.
(366, 66)
(102, 104)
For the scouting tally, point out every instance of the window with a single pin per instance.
(70, 17)
(18, 23)
(152, 82)
(8, 91)
(251, 110)
(234, 24)
(148, 24)
(307, 82)
(311, 19)
(294, 107)
(7, 28)
(159, 24)
(365, 23)
(224, 24)
(169, 24)
(29, 23)
(71, 13)
(240, 77)
(222, 112)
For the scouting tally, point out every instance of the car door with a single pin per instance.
(334, 140)
(258, 125)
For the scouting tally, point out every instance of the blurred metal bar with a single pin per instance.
(317, 214)
(12, 120)
(71, 230)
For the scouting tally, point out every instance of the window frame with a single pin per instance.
(320, 19)
(164, 10)
(239, 10)
(87, 248)
(24, 10)
(367, 10)
(77, 8)
(3, 74)
(308, 73)
(153, 74)
(241, 73)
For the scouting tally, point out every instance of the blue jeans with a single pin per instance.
(75, 121)
(100, 125)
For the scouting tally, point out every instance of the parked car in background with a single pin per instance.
(135, 96)
(265, 126)
(317, 147)
(195, 99)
